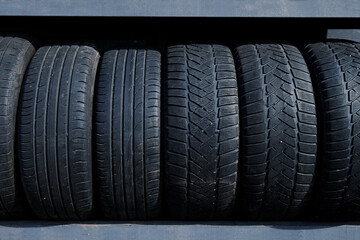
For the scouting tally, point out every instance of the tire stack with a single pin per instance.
(263, 132)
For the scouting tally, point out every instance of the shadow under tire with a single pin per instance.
(335, 68)
(55, 131)
(201, 131)
(128, 134)
(15, 55)
(278, 131)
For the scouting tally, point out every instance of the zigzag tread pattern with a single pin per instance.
(336, 67)
(202, 131)
(279, 135)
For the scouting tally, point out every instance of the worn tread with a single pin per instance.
(202, 131)
(54, 131)
(335, 67)
(128, 134)
(278, 131)
(15, 55)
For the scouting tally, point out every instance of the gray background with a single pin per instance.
(182, 8)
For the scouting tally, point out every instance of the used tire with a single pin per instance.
(15, 55)
(128, 134)
(278, 131)
(202, 131)
(335, 67)
(55, 130)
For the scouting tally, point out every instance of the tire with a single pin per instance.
(15, 55)
(202, 132)
(335, 67)
(128, 134)
(55, 132)
(278, 131)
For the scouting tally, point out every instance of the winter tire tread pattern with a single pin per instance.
(335, 67)
(202, 131)
(279, 133)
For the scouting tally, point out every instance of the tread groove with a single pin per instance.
(272, 141)
(68, 130)
(335, 68)
(34, 129)
(122, 129)
(57, 127)
(44, 129)
(202, 127)
(111, 165)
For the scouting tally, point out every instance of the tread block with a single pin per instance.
(279, 135)
(335, 66)
(206, 147)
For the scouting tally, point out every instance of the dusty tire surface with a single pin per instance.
(278, 131)
(128, 134)
(201, 131)
(15, 55)
(335, 67)
(55, 131)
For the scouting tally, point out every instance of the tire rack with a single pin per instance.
(188, 230)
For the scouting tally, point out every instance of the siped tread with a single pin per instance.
(202, 131)
(279, 134)
(335, 69)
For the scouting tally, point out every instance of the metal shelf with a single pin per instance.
(182, 8)
(162, 230)
(179, 230)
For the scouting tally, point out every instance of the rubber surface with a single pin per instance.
(15, 55)
(335, 67)
(202, 132)
(278, 131)
(128, 134)
(55, 131)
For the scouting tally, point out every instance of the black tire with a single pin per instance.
(15, 55)
(128, 134)
(335, 67)
(278, 131)
(55, 130)
(202, 131)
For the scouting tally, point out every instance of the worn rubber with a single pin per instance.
(202, 132)
(278, 131)
(15, 55)
(335, 68)
(128, 134)
(55, 131)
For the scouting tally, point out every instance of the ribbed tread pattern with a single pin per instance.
(55, 131)
(202, 131)
(335, 67)
(279, 133)
(15, 55)
(128, 134)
